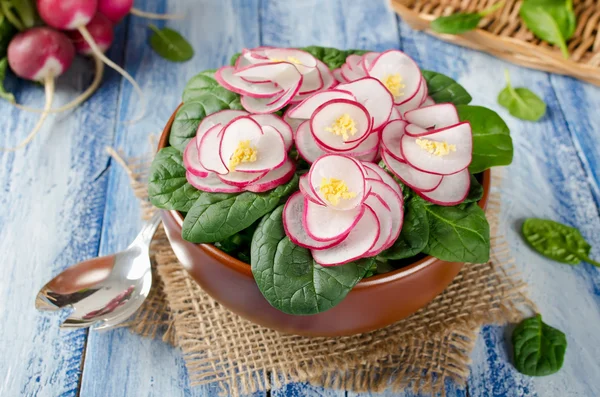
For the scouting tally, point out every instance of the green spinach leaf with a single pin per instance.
(556, 241)
(289, 278)
(170, 45)
(521, 102)
(492, 144)
(217, 216)
(7, 31)
(3, 93)
(550, 20)
(539, 349)
(205, 83)
(415, 231)
(458, 234)
(475, 191)
(443, 89)
(167, 186)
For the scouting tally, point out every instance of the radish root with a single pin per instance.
(80, 99)
(151, 15)
(92, 43)
(49, 88)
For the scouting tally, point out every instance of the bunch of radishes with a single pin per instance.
(43, 53)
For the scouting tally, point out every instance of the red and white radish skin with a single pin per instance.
(40, 54)
(101, 29)
(115, 10)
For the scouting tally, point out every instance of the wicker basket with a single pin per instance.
(502, 34)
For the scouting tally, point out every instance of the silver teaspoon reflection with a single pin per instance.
(103, 292)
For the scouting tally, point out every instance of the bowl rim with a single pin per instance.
(245, 268)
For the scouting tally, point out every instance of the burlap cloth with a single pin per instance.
(419, 352)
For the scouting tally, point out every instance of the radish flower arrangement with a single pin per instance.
(373, 162)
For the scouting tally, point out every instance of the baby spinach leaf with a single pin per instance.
(539, 349)
(170, 45)
(550, 20)
(475, 191)
(556, 241)
(492, 144)
(289, 278)
(205, 83)
(415, 231)
(217, 216)
(443, 89)
(3, 93)
(167, 186)
(521, 102)
(461, 22)
(458, 234)
(7, 31)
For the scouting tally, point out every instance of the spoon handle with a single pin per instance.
(147, 232)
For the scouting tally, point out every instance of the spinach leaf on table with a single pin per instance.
(217, 216)
(556, 241)
(461, 22)
(170, 45)
(492, 144)
(458, 234)
(521, 102)
(539, 349)
(168, 187)
(444, 89)
(415, 231)
(550, 20)
(288, 277)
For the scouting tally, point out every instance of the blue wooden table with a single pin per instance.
(62, 200)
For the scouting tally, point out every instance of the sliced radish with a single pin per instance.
(359, 241)
(306, 108)
(351, 75)
(435, 116)
(418, 180)
(211, 184)
(385, 177)
(190, 159)
(415, 101)
(312, 82)
(306, 144)
(367, 60)
(222, 117)
(395, 115)
(458, 135)
(328, 114)
(395, 203)
(226, 77)
(266, 105)
(391, 135)
(304, 185)
(302, 60)
(394, 62)
(453, 189)
(337, 73)
(371, 174)
(355, 62)
(333, 166)
(208, 150)
(415, 130)
(384, 216)
(329, 80)
(366, 147)
(276, 122)
(325, 224)
(294, 229)
(428, 102)
(284, 74)
(294, 123)
(371, 156)
(274, 178)
(241, 179)
(373, 96)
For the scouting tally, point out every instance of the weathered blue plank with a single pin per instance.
(120, 363)
(53, 195)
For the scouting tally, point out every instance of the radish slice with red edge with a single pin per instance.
(355, 246)
(328, 114)
(306, 108)
(211, 184)
(415, 101)
(452, 191)
(367, 146)
(354, 61)
(266, 105)
(367, 60)
(311, 82)
(391, 135)
(307, 147)
(372, 174)
(304, 185)
(329, 80)
(428, 102)
(302, 60)
(415, 130)
(395, 204)
(373, 96)
(284, 74)
(274, 178)
(208, 153)
(241, 179)
(434, 117)
(294, 228)
(337, 73)
(226, 77)
(417, 180)
(349, 74)
(385, 177)
(281, 126)
(325, 224)
(384, 216)
(396, 63)
(294, 123)
(458, 135)
(190, 159)
(395, 115)
(346, 169)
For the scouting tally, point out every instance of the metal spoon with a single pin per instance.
(103, 292)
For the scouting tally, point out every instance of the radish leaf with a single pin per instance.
(3, 93)
(556, 241)
(551, 20)
(443, 89)
(170, 45)
(539, 349)
(492, 144)
(521, 103)
(289, 278)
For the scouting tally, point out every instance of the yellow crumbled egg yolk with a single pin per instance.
(343, 126)
(244, 153)
(436, 148)
(290, 59)
(393, 82)
(335, 190)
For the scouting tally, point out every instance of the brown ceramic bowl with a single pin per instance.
(372, 304)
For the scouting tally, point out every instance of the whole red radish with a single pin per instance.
(115, 10)
(67, 14)
(40, 54)
(101, 29)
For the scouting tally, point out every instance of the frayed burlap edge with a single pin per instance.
(419, 352)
